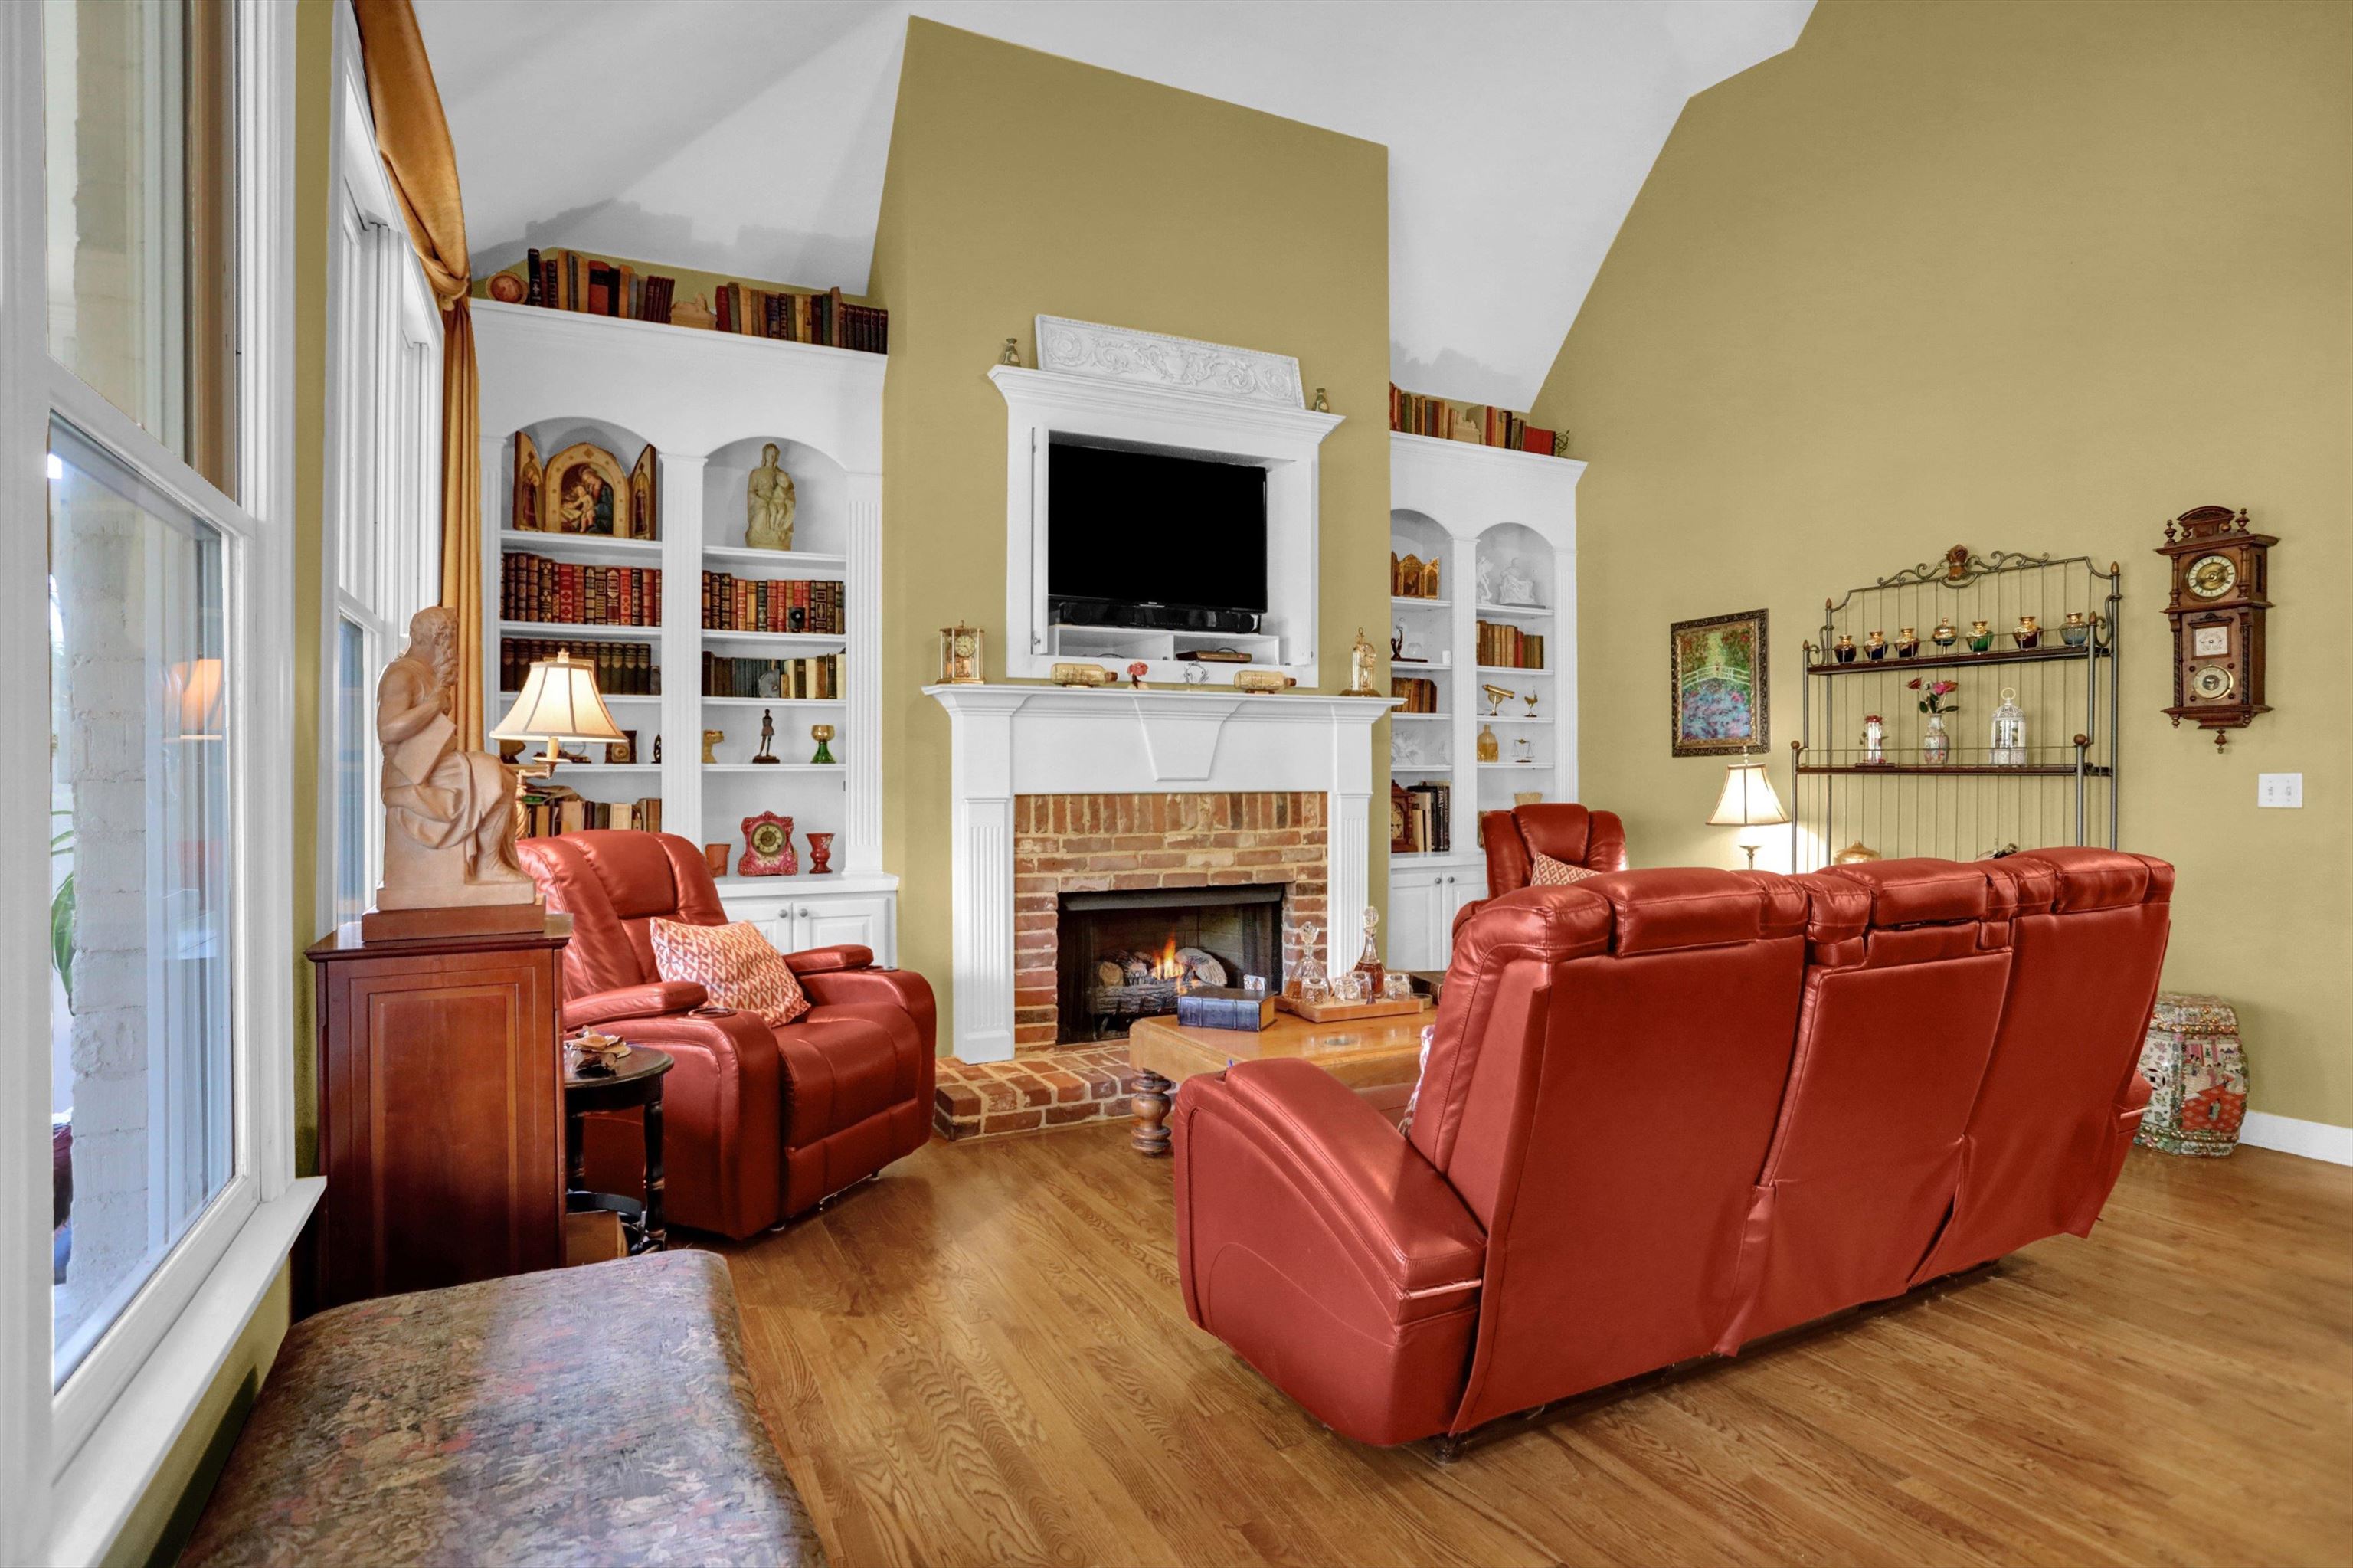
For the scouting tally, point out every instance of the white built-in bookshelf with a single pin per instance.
(708, 402)
(1487, 515)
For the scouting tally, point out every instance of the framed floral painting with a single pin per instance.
(1717, 694)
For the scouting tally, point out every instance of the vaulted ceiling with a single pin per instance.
(749, 137)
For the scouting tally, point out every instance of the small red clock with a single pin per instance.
(768, 847)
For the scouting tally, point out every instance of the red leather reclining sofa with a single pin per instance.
(1668, 1112)
(759, 1124)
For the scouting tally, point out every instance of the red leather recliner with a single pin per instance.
(760, 1124)
(1666, 1112)
(1594, 839)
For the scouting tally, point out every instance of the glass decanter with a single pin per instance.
(1368, 964)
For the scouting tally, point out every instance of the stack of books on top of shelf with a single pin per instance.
(572, 593)
(816, 677)
(623, 668)
(1476, 423)
(546, 813)
(1420, 694)
(1504, 644)
(570, 281)
(1428, 819)
(731, 603)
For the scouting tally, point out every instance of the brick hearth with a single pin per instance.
(1093, 844)
(1032, 1093)
(1074, 843)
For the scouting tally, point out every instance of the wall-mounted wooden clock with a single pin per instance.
(2220, 590)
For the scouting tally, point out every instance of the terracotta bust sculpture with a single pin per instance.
(448, 814)
(768, 505)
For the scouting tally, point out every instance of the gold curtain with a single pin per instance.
(413, 138)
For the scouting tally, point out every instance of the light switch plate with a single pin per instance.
(2279, 789)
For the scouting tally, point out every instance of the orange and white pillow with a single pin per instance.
(1551, 872)
(735, 965)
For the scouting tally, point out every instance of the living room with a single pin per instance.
(1164, 825)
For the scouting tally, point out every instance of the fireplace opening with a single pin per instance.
(1123, 956)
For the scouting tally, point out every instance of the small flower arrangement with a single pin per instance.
(1135, 673)
(1933, 695)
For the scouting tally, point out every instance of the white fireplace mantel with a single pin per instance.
(1012, 740)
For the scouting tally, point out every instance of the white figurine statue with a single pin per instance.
(768, 505)
(1517, 586)
(448, 814)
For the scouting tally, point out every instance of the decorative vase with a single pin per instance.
(1946, 634)
(2077, 631)
(1907, 643)
(1843, 651)
(1981, 637)
(1875, 645)
(820, 854)
(1935, 745)
(2028, 635)
(2197, 1070)
(823, 734)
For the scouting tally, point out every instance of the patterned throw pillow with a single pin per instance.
(1405, 1122)
(737, 966)
(1551, 872)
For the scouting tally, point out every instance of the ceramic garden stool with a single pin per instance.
(2192, 1058)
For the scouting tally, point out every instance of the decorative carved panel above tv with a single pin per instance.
(1116, 391)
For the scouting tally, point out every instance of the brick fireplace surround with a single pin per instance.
(1076, 844)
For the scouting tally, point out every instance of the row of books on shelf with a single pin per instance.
(826, 318)
(1424, 817)
(1480, 424)
(816, 677)
(622, 669)
(1419, 693)
(731, 603)
(547, 814)
(589, 285)
(1501, 642)
(535, 587)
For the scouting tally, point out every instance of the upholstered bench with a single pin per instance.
(590, 1415)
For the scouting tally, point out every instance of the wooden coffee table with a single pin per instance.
(1375, 1053)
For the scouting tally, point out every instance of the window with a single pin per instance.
(384, 477)
(145, 487)
(141, 209)
(140, 935)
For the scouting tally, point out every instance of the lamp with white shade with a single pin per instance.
(1747, 802)
(558, 702)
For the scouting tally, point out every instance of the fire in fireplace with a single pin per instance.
(1123, 956)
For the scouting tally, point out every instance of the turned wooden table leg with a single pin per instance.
(1151, 1103)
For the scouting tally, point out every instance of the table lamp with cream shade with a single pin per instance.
(558, 702)
(1747, 802)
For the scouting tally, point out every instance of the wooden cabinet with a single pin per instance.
(440, 1111)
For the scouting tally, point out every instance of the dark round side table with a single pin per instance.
(636, 1084)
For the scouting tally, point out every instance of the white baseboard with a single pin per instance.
(2313, 1139)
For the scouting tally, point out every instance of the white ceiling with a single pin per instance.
(749, 136)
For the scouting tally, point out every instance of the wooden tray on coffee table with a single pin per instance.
(1347, 1011)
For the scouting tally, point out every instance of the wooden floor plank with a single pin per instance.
(982, 1358)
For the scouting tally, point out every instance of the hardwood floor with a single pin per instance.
(981, 1358)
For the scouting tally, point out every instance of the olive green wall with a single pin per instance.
(2024, 276)
(1018, 184)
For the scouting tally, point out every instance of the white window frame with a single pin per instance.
(381, 556)
(74, 1463)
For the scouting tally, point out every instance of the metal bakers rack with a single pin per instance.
(2059, 787)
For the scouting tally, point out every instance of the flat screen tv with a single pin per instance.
(1130, 529)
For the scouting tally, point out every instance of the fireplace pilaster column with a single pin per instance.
(981, 874)
(1347, 827)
